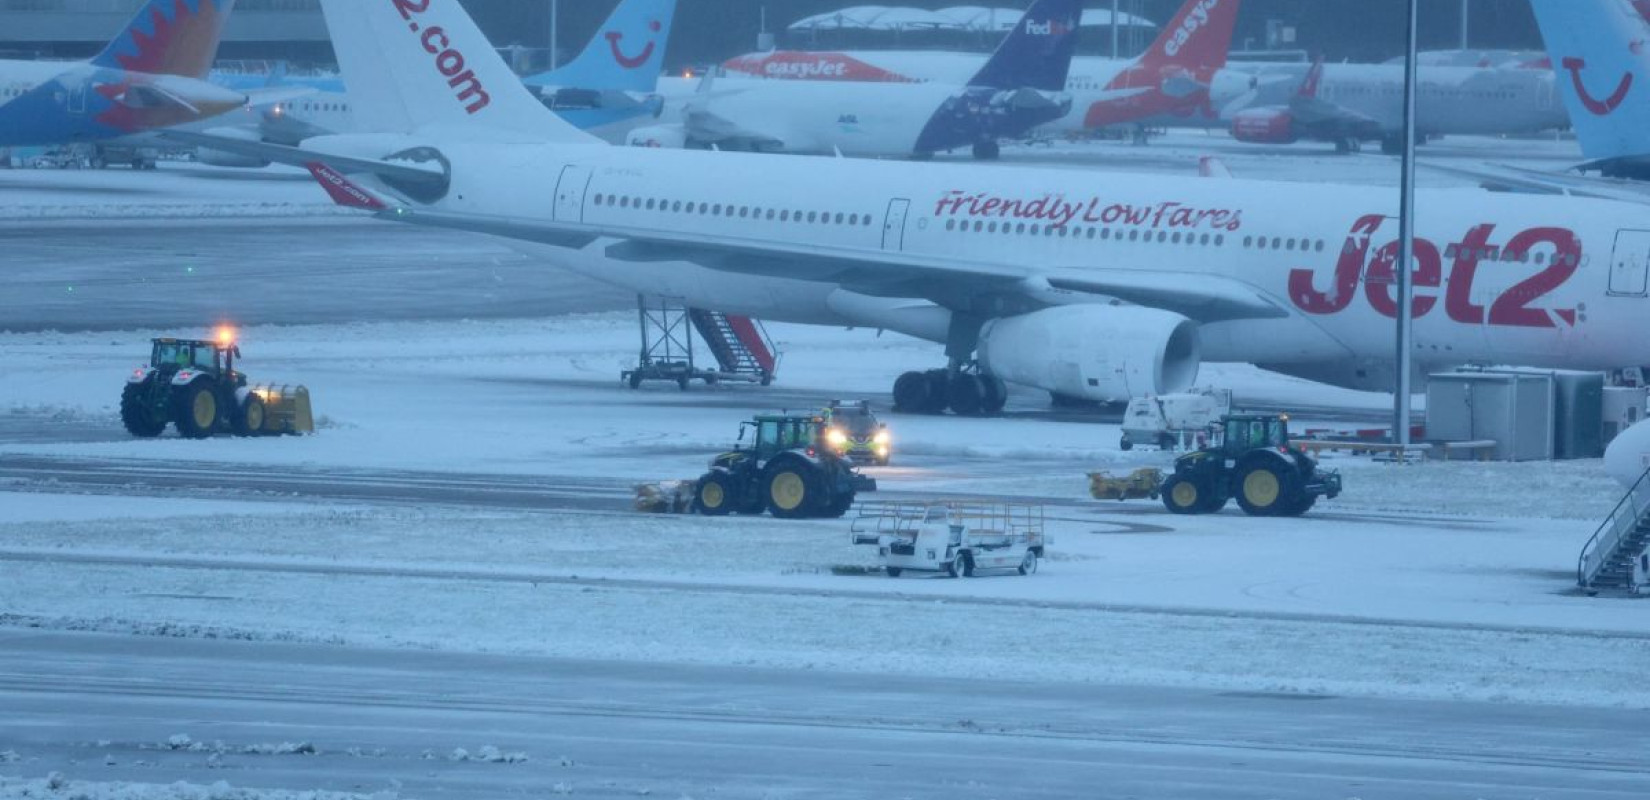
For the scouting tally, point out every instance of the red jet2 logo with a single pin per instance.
(1599, 108)
(631, 62)
(448, 59)
(1514, 308)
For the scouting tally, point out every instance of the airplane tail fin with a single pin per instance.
(169, 37)
(415, 64)
(1037, 53)
(1602, 64)
(627, 54)
(1314, 80)
(1197, 40)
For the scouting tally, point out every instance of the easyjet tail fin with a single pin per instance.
(1037, 53)
(169, 37)
(417, 64)
(627, 54)
(1602, 66)
(1198, 39)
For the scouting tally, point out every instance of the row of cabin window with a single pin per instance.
(743, 212)
(1063, 231)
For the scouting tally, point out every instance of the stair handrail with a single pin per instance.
(1626, 516)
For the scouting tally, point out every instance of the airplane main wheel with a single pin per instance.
(996, 394)
(939, 391)
(967, 396)
(987, 151)
(911, 393)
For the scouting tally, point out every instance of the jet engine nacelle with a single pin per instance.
(1628, 455)
(1095, 352)
(219, 158)
(670, 136)
(1264, 126)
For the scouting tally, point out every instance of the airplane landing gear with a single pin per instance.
(987, 151)
(966, 394)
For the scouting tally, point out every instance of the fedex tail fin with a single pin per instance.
(1598, 50)
(416, 64)
(1197, 40)
(1037, 53)
(169, 37)
(627, 54)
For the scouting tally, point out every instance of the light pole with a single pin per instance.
(1114, 5)
(1404, 269)
(555, 17)
(1464, 18)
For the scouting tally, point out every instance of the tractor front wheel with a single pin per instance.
(135, 412)
(249, 421)
(1183, 495)
(196, 412)
(715, 496)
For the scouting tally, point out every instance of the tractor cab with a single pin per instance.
(776, 434)
(215, 358)
(1240, 433)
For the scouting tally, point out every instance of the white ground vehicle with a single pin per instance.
(955, 538)
(1173, 421)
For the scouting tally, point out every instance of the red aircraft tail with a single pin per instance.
(1198, 40)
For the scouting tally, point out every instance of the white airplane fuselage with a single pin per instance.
(1500, 278)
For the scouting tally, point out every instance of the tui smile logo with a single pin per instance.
(1595, 106)
(632, 62)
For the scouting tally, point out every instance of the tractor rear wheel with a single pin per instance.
(249, 420)
(195, 409)
(792, 489)
(1301, 506)
(715, 496)
(135, 413)
(840, 504)
(1183, 495)
(1266, 488)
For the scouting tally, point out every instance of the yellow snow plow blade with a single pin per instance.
(286, 409)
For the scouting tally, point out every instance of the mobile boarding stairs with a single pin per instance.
(740, 345)
(1617, 558)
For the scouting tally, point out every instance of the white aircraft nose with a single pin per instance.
(1628, 455)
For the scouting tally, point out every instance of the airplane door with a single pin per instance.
(77, 98)
(1630, 265)
(893, 228)
(570, 193)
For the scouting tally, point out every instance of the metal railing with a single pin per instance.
(1626, 517)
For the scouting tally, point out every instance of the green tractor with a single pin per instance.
(1253, 461)
(191, 384)
(789, 470)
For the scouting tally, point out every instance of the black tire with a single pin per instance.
(911, 393)
(893, 572)
(682, 382)
(1028, 565)
(966, 396)
(135, 414)
(1183, 495)
(195, 409)
(716, 495)
(1125, 445)
(939, 391)
(988, 151)
(840, 504)
(249, 418)
(996, 394)
(1266, 487)
(1301, 506)
(959, 567)
(635, 380)
(791, 489)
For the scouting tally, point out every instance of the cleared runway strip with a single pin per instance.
(102, 707)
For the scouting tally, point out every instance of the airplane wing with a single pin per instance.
(1509, 178)
(405, 173)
